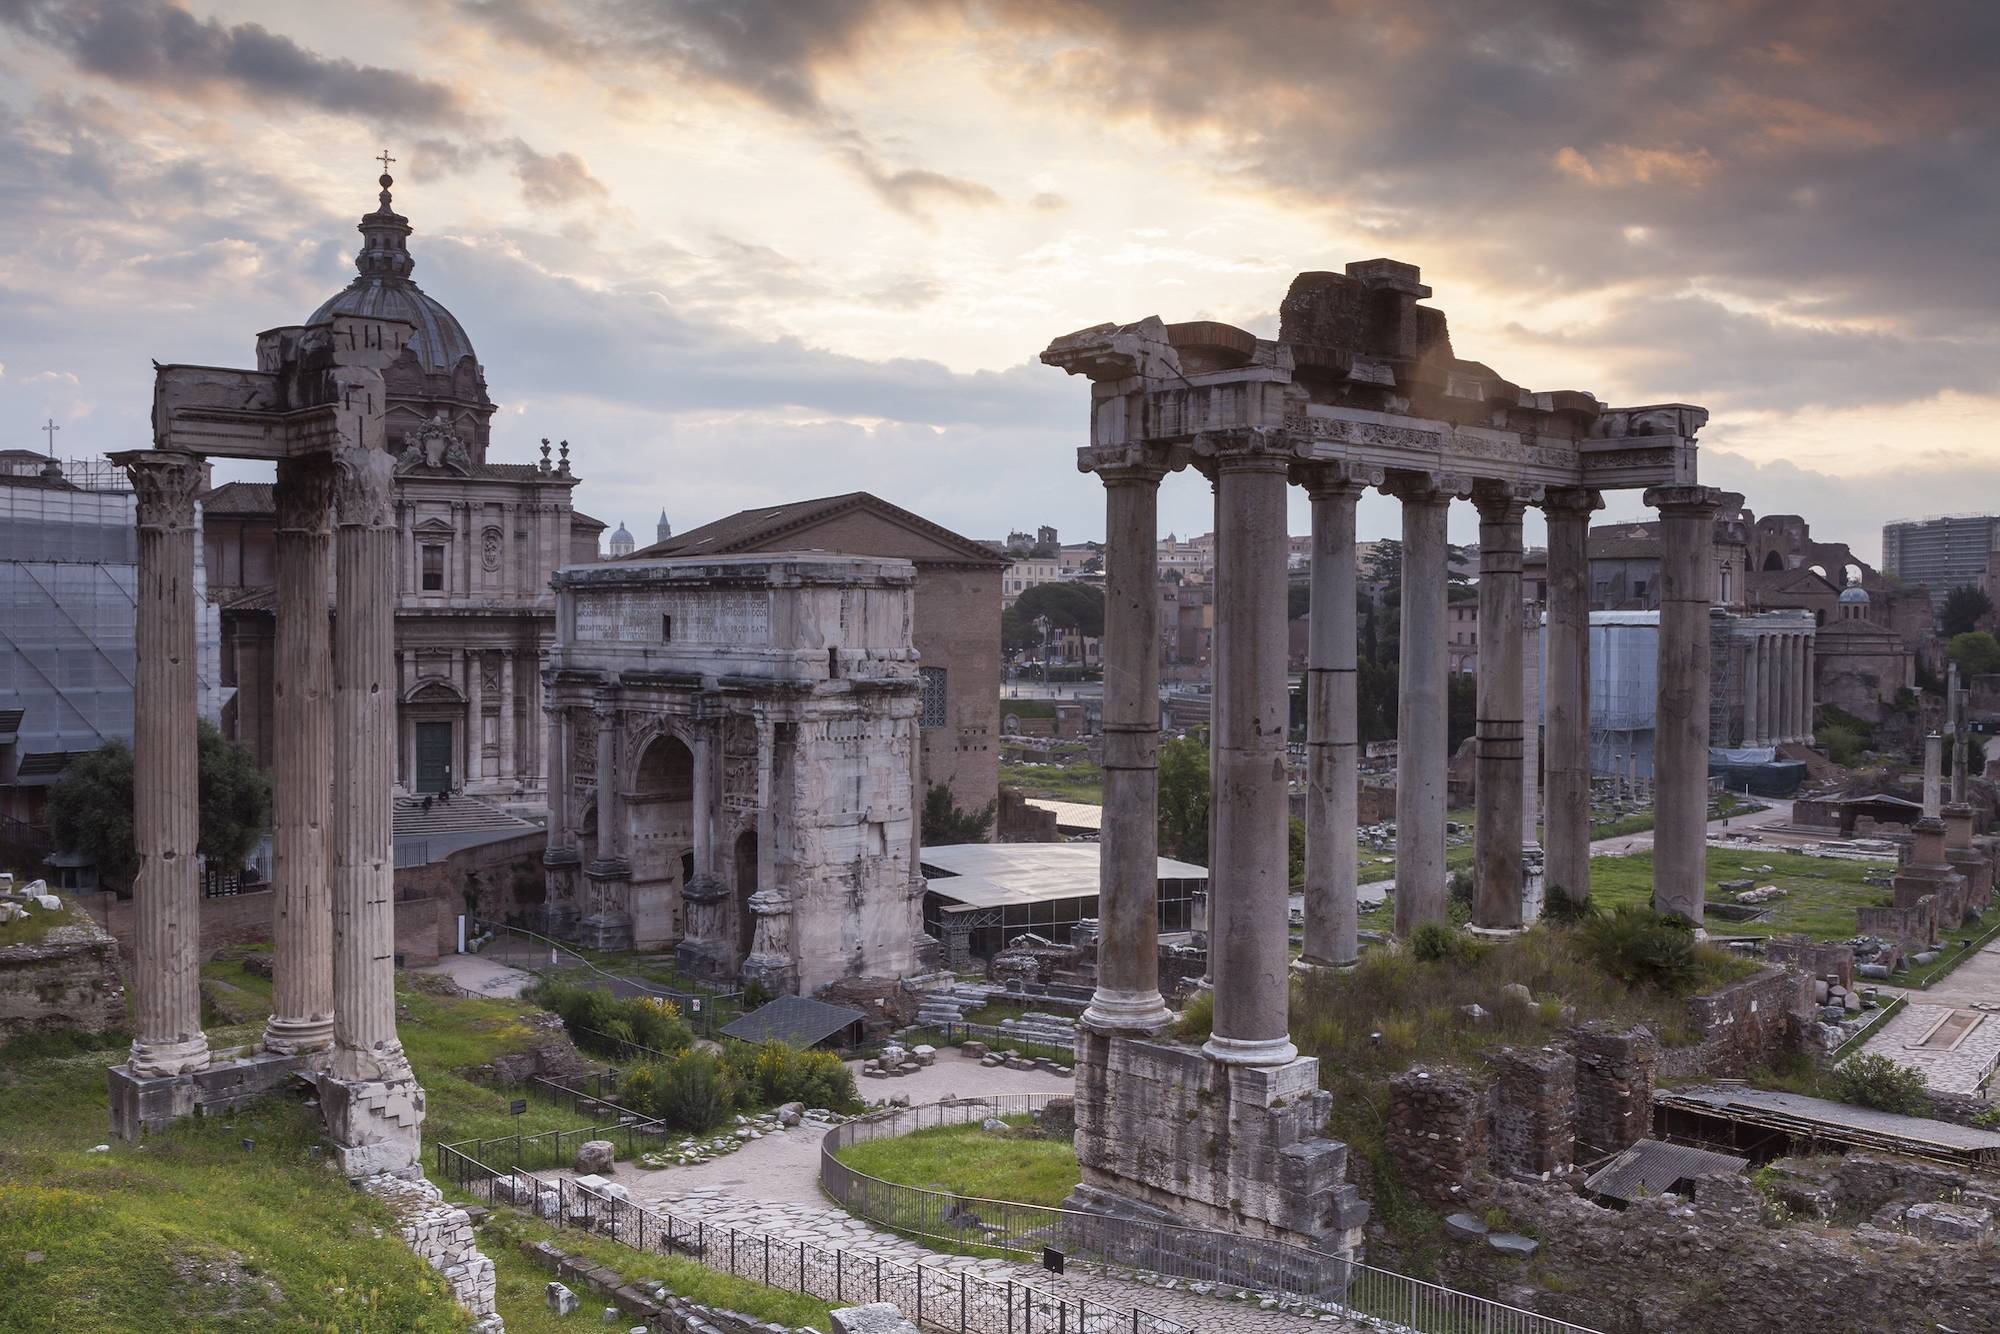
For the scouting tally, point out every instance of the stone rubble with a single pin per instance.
(442, 1234)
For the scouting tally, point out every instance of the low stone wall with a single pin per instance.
(67, 980)
(1742, 1025)
(1827, 960)
(442, 1234)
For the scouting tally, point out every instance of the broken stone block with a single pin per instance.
(1475, 1012)
(791, 1113)
(1948, 1222)
(560, 1299)
(1519, 991)
(1465, 1227)
(874, 1318)
(992, 1123)
(596, 1156)
(1513, 1243)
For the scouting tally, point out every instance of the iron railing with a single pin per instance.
(1189, 1255)
(936, 1297)
(704, 1011)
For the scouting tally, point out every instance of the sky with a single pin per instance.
(743, 253)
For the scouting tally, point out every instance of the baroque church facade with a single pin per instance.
(478, 542)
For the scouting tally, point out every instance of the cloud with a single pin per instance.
(157, 46)
(547, 180)
(916, 190)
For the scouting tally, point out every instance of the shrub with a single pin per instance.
(1197, 1019)
(774, 1072)
(1640, 947)
(1868, 1080)
(1561, 906)
(695, 1092)
(598, 1020)
(1433, 941)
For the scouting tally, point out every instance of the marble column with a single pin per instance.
(1422, 700)
(610, 811)
(1496, 904)
(1127, 999)
(704, 801)
(1806, 683)
(475, 716)
(1772, 696)
(373, 1107)
(1752, 713)
(1531, 764)
(1249, 937)
(1680, 738)
(561, 834)
(302, 791)
(1566, 807)
(1332, 908)
(166, 894)
(509, 768)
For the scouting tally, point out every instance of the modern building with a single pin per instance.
(69, 579)
(1941, 553)
(957, 629)
(477, 542)
(978, 896)
(1026, 572)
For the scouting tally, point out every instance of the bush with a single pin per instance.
(1640, 947)
(600, 1021)
(1197, 1019)
(774, 1072)
(1434, 941)
(695, 1092)
(1868, 1080)
(1560, 905)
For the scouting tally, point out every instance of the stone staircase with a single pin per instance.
(1049, 1030)
(950, 1005)
(465, 815)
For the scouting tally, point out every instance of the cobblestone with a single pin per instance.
(1959, 1070)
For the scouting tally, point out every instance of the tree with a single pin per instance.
(1963, 608)
(1295, 849)
(1183, 796)
(1977, 653)
(1077, 607)
(1017, 633)
(90, 809)
(945, 823)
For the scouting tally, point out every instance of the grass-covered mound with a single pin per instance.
(965, 1160)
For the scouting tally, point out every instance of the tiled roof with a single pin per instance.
(751, 530)
(1653, 1167)
(241, 498)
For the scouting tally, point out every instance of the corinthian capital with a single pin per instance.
(304, 494)
(167, 484)
(363, 487)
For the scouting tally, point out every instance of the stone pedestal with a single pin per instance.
(704, 950)
(1162, 1126)
(141, 1104)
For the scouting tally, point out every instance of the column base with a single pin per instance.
(141, 1104)
(375, 1124)
(775, 973)
(1307, 967)
(298, 1037)
(1251, 1051)
(1164, 1132)
(163, 1060)
(1137, 1013)
(1496, 932)
(605, 931)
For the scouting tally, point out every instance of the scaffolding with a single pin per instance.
(1624, 688)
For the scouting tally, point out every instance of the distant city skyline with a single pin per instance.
(762, 252)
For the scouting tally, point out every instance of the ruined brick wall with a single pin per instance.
(1018, 822)
(1744, 1024)
(68, 980)
(1436, 1131)
(1709, 1265)
(1534, 1111)
(1832, 960)
(1614, 1087)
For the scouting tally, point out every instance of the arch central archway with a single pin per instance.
(660, 839)
(746, 885)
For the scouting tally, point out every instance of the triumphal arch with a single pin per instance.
(1360, 389)
(734, 738)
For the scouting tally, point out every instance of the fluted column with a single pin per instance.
(302, 895)
(1127, 999)
(1680, 739)
(1332, 731)
(1496, 901)
(610, 811)
(560, 833)
(1422, 702)
(1566, 807)
(1806, 685)
(364, 769)
(509, 767)
(1768, 646)
(475, 716)
(1248, 934)
(166, 972)
(1752, 715)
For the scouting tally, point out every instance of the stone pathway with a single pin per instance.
(772, 1185)
(1959, 1068)
(477, 973)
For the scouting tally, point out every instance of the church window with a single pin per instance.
(933, 696)
(433, 568)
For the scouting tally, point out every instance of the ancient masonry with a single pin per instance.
(733, 740)
(315, 406)
(1360, 389)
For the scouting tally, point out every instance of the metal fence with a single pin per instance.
(937, 1298)
(1186, 1254)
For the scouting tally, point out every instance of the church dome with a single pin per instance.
(1855, 594)
(382, 290)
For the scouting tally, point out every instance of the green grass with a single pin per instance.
(522, 1283)
(1822, 896)
(994, 1011)
(1381, 864)
(35, 927)
(965, 1160)
(1076, 780)
(1027, 708)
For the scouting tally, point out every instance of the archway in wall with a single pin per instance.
(660, 825)
(746, 885)
(1773, 561)
(433, 738)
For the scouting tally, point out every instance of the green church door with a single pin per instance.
(433, 756)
